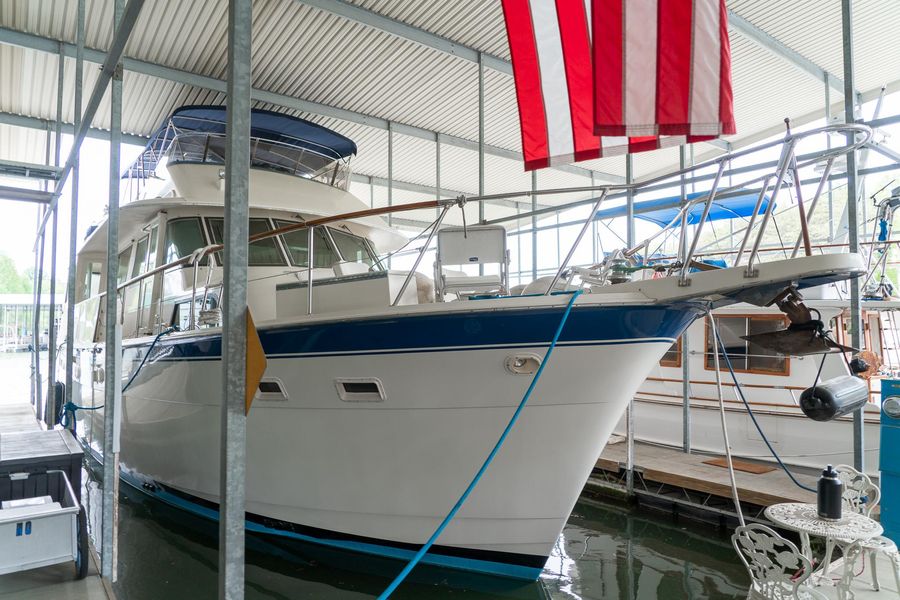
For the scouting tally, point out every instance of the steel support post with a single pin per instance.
(534, 236)
(112, 358)
(437, 171)
(73, 218)
(852, 222)
(685, 339)
(232, 462)
(390, 177)
(629, 411)
(828, 146)
(51, 326)
(480, 144)
(594, 250)
(35, 322)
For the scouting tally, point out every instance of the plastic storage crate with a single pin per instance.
(39, 525)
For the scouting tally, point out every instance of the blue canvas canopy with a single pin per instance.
(662, 210)
(264, 124)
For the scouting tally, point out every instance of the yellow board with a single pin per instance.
(256, 361)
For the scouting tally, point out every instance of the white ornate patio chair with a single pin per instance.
(862, 495)
(778, 570)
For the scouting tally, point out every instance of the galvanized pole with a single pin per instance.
(594, 255)
(51, 328)
(852, 222)
(437, 170)
(480, 144)
(73, 219)
(828, 146)
(534, 236)
(629, 411)
(232, 463)
(685, 338)
(35, 320)
(112, 358)
(390, 181)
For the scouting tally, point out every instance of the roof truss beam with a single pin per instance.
(11, 168)
(773, 45)
(45, 44)
(17, 194)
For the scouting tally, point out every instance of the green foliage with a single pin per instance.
(13, 282)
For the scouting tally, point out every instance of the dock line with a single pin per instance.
(69, 408)
(740, 393)
(440, 529)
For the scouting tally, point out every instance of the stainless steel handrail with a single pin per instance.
(786, 162)
(194, 147)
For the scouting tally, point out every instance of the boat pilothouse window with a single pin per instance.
(746, 357)
(92, 276)
(352, 248)
(124, 260)
(183, 236)
(324, 255)
(263, 253)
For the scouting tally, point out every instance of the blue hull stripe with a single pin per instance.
(439, 560)
(587, 326)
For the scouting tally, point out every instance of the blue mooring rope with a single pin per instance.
(69, 408)
(740, 392)
(437, 532)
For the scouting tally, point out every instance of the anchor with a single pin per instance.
(804, 336)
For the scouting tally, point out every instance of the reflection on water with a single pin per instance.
(608, 551)
(605, 551)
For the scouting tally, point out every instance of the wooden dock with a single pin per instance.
(56, 581)
(668, 475)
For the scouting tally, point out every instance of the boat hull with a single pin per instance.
(379, 476)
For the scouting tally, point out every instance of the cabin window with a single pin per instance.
(183, 236)
(746, 357)
(124, 259)
(672, 357)
(352, 247)
(92, 276)
(295, 242)
(263, 253)
(140, 257)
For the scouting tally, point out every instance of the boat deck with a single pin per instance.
(56, 581)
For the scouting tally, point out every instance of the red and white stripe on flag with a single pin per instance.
(675, 80)
(552, 59)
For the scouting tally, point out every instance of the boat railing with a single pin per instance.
(281, 157)
(200, 148)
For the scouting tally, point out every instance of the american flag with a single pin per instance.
(603, 77)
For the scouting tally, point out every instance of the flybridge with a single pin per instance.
(278, 142)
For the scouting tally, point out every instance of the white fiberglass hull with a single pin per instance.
(385, 473)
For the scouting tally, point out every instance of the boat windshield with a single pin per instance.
(209, 148)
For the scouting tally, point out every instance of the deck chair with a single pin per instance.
(478, 245)
(862, 495)
(778, 570)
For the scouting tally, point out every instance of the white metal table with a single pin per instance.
(804, 518)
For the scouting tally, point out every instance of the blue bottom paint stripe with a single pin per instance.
(438, 560)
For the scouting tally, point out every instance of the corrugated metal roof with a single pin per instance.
(315, 55)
